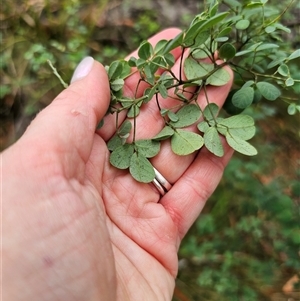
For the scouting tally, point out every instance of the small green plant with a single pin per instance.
(246, 38)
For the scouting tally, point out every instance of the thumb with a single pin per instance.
(71, 119)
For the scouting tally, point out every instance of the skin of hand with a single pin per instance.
(74, 227)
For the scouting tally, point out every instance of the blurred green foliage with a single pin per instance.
(245, 245)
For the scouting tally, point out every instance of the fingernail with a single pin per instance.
(83, 69)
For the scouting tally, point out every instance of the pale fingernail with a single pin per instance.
(83, 69)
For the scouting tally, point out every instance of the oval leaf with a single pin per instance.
(242, 24)
(141, 169)
(187, 115)
(241, 126)
(121, 156)
(148, 148)
(165, 133)
(241, 145)
(243, 97)
(210, 111)
(145, 50)
(227, 51)
(268, 91)
(212, 142)
(184, 142)
(219, 78)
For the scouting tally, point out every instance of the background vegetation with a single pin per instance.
(245, 246)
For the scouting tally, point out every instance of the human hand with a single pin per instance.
(76, 228)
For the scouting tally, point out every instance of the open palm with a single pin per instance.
(76, 228)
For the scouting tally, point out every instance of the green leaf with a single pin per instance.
(289, 82)
(145, 51)
(225, 31)
(191, 33)
(149, 74)
(172, 116)
(213, 21)
(283, 69)
(240, 145)
(212, 141)
(243, 97)
(268, 91)
(134, 111)
(117, 84)
(114, 70)
(270, 29)
(121, 156)
(165, 133)
(163, 91)
(147, 147)
(125, 128)
(210, 111)
(184, 142)
(242, 24)
(132, 62)
(241, 126)
(141, 169)
(174, 43)
(294, 55)
(187, 115)
(266, 46)
(203, 126)
(194, 70)
(99, 125)
(292, 109)
(229, 107)
(219, 78)
(227, 51)
(282, 27)
(159, 47)
(114, 142)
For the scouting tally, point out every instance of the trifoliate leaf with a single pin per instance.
(243, 97)
(165, 133)
(121, 156)
(141, 169)
(212, 141)
(184, 142)
(268, 91)
(241, 126)
(187, 115)
(147, 147)
(240, 145)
